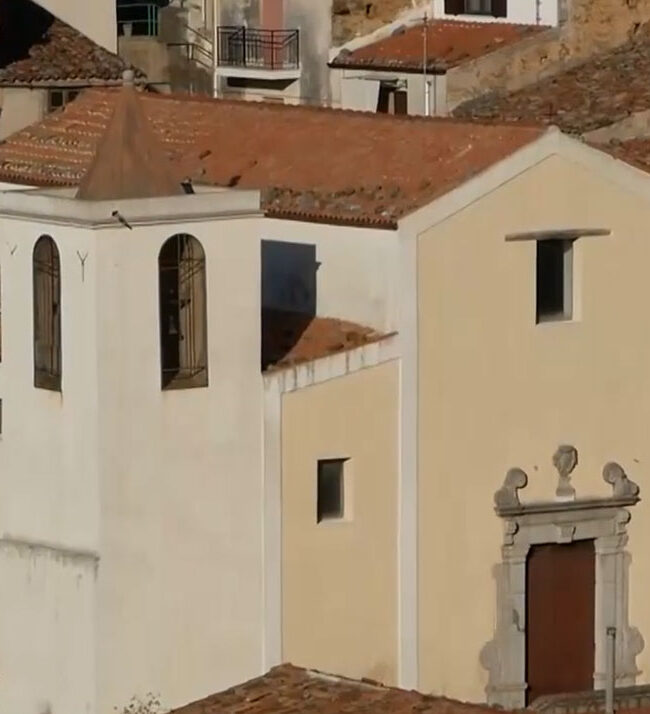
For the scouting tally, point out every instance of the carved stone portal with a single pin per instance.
(563, 520)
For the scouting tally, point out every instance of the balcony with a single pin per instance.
(140, 19)
(262, 54)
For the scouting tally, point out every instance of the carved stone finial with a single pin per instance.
(507, 496)
(565, 459)
(615, 476)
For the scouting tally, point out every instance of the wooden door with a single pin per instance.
(560, 603)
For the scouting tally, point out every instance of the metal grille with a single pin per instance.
(183, 324)
(47, 314)
(260, 49)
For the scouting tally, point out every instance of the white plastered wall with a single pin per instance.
(96, 19)
(357, 269)
(48, 489)
(180, 581)
(130, 518)
(527, 12)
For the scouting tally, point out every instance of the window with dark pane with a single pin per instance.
(183, 318)
(493, 8)
(47, 314)
(554, 280)
(330, 504)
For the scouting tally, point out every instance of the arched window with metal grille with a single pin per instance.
(47, 314)
(183, 318)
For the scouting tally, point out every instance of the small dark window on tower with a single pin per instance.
(331, 488)
(47, 314)
(554, 280)
(183, 314)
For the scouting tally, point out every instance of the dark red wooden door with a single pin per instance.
(560, 601)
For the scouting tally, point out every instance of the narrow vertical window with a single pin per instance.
(554, 280)
(330, 489)
(47, 314)
(183, 323)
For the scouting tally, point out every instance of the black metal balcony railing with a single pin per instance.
(258, 49)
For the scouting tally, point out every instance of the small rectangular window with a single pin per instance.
(554, 280)
(494, 8)
(331, 489)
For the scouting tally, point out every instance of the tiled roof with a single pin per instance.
(130, 161)
(290, 338)
(594, 94)
(291, 690)
(635, 152)
(60, 54)
(448, 42)
(313, 164)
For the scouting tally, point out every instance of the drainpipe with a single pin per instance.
(215, 38)
(610, 671)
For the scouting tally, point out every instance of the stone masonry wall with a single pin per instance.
(591, 27)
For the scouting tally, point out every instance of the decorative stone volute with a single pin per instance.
(507, 496)
(615, 476)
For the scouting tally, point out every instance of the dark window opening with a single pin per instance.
(554, 280)
(183, 314)
(392, 100)
(331, 487)
(492, 8)
(58, 98)
(47, 314)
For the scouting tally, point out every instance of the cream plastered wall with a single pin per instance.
(96, 19)
(339, 578)
(48, 486)
(496, 391)
(180, 579)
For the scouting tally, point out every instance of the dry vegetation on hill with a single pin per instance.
(352, 18)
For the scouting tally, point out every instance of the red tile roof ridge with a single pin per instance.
(451, 42)
(286, 688)
(309, 108)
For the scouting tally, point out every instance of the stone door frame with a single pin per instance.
(603, 520)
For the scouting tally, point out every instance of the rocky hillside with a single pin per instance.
(352, 18)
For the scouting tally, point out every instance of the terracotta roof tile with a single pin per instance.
(130, 162)
(449, 43)
(594, 94)
(311, 163)
(289, 690)
(290, 338)
(61, 54)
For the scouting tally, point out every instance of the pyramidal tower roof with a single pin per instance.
(129, 162)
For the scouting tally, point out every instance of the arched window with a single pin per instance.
(47, 314)
(183, 324)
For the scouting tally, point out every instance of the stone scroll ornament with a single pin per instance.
(508, 495)
(622, 486)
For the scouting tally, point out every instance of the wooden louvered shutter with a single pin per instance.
(454, 7)
(500, 8)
